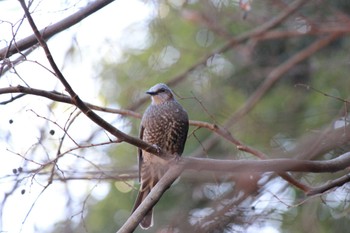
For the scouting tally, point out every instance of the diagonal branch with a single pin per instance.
(78, 102)
(153, 197)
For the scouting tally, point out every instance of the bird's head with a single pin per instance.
(160, 93)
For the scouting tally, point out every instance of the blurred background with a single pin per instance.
(273, 73)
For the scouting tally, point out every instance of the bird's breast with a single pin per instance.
(166, 126)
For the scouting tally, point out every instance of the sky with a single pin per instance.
(93, 37)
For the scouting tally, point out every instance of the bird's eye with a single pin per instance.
(161, 90)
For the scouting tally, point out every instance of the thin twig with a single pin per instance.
(308, 87)
(330, 185)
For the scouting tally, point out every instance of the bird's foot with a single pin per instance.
(159, 150)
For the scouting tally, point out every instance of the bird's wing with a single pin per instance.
(140, 151)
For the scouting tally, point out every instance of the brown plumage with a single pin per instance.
(165, 125)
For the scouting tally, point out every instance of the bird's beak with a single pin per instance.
(151, 93)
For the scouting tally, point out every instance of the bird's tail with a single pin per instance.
(147, 221)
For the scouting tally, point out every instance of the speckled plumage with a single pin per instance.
(164, 124)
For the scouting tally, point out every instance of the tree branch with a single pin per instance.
(59, 97)
(268, 165)
(153, 197)
(53, 29)
(329, 185)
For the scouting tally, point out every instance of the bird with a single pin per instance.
(164, 125)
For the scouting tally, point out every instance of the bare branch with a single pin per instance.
(330, 185)
(53, 29)
(152, 198)
(325, 29)
(308, 87)
(268, 165)
(59, 97)
(13, 98)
